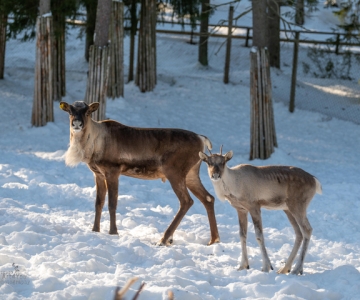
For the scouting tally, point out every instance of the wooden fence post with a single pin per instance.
(337, 44)
(3, 24)
(116, 48)
(42, 111)
(228, 46)
(262, 127)
(247, 37)
(294, 71)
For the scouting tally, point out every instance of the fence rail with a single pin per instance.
(337, 43)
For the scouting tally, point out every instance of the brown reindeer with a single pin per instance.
(249, 188)
(111, 149)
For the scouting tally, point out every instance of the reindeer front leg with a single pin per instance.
(243, 223)
(100, 199)
(112, 182)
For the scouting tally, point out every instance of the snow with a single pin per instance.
(47, 209)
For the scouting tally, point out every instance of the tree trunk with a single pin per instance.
(116, 68)
(274, 33)
(146, 62)
(260, 23)
(262, 129)
(102, 26)
(204, 34)
(97, 79)
(3, 24)
(228, 46)
(99, 60)
(59, 55)
(42, 111)
(299, 17)
(44, 7)
(90, 25)
(132, 40)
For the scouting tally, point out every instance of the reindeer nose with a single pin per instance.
(77, 125)
(215, 176)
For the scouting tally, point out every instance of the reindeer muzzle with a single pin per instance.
(77, 126)
(215, 177)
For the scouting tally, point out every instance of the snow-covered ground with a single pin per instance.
(47, 209)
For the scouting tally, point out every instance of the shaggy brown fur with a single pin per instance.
(111, 149)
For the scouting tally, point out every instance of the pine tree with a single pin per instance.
(186, 9)
(90, 6)
(24, 14)
(349, 17)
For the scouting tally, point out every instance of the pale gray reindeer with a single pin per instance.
(249, 188)
(111, 149)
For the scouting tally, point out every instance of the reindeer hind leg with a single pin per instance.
(298, 239)
(194, 184)
(306, 231)
(179, 187)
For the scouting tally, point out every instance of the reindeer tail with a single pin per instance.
(318, 186)
(206, 142)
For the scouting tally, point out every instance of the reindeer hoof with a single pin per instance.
(163, 243)
(213, 241)
(96, 229)
(113, 232)
(297, 272)
(244, 268)
(267, 269)
(283, 270)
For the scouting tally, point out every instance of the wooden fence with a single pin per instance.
(248, 35)
(337, 43)
(296, 37)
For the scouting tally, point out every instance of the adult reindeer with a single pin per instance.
(249, 188)
(111, 149)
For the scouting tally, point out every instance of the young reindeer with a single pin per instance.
(249, 188)
(111, 149)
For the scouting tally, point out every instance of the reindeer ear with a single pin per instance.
(203, 156)
(93, 107)
(64, 106)
(228, 155)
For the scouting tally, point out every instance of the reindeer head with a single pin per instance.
(79, 114)
(216, 163)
